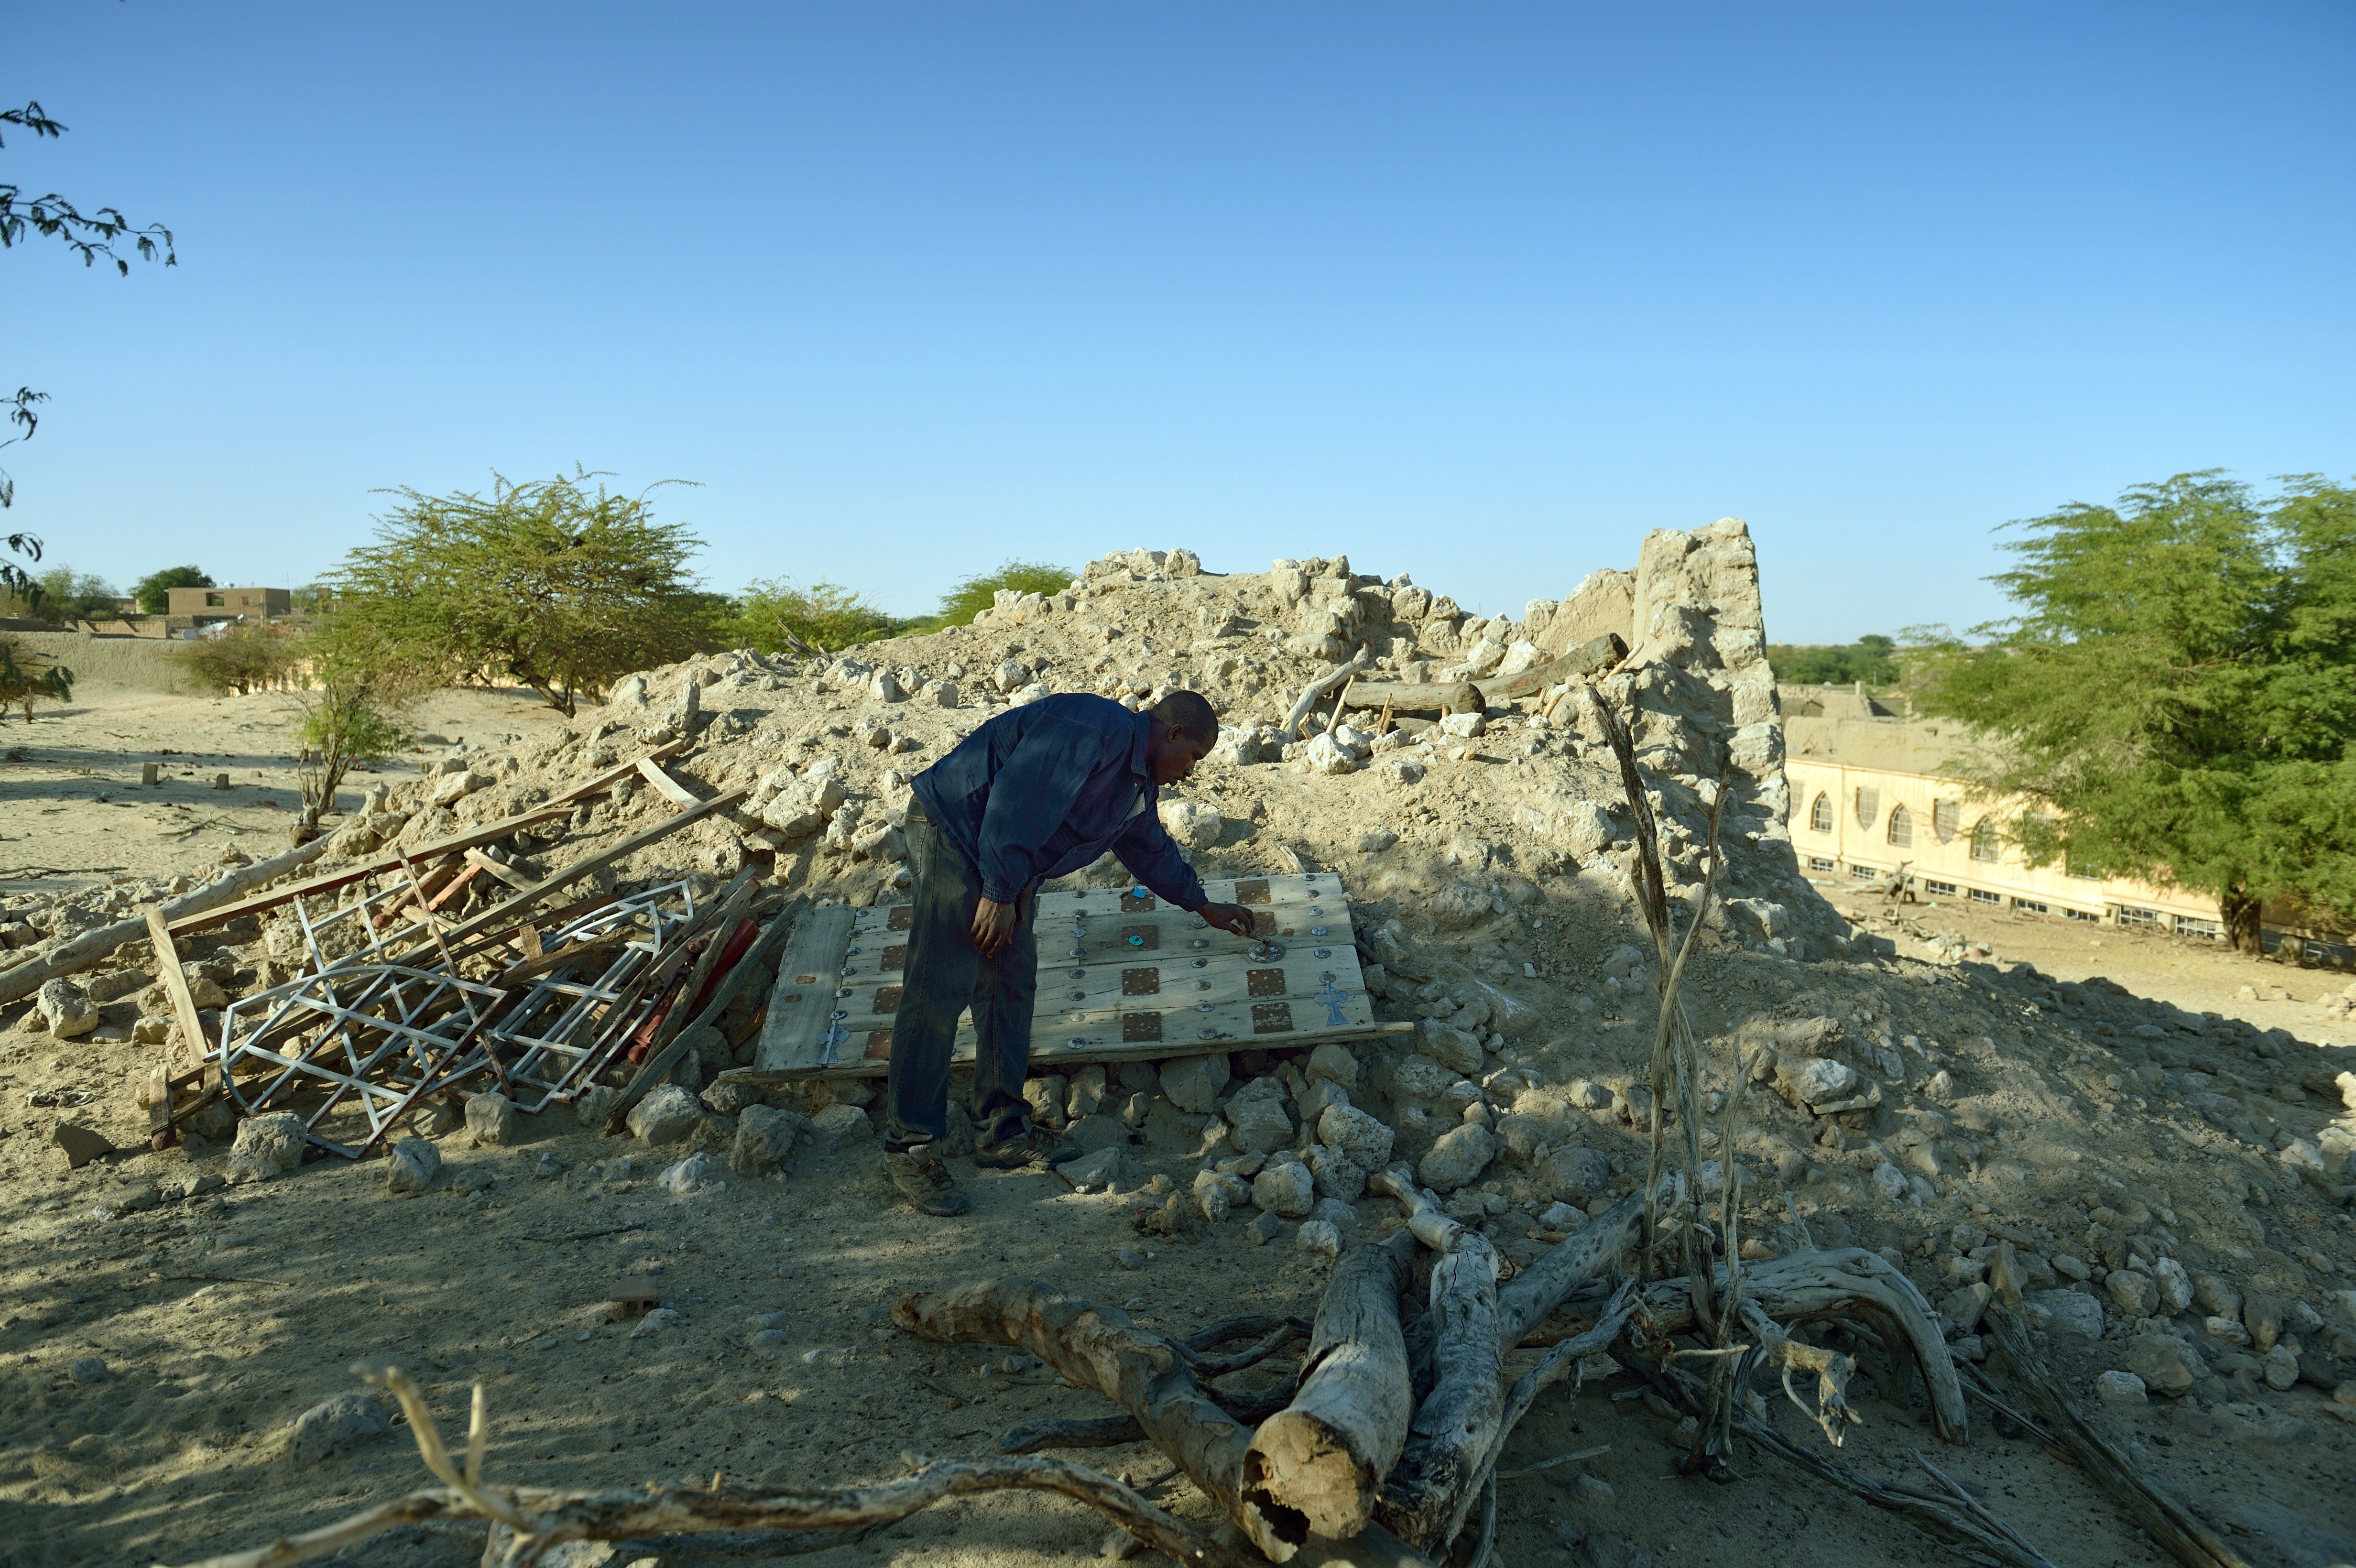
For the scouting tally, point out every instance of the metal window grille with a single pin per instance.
(2188, 925)
(1819, 863)
(1861, 871)
(1820, 816)
(1946, 817)
(1943, 889)
(1868, 806)
(1901, 827)
(2139, 919)
(1984, 840)
(1979, 897)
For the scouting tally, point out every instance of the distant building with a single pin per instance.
(1868, 797)
(227, 604)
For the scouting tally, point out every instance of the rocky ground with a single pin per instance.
(2175, 1178)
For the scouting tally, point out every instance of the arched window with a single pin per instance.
(1901, 827)
(1820, 816)
(1945, 816)
(1983, 841)
(1868, 806)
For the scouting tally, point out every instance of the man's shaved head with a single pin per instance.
(1188, 711)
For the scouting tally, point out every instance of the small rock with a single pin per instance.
(2119, 1387)
(692, 1174)
(2135, 1293)
(1192, 1084)
(87, 1369)
(2226, 1331)
(1287, 1189)
(1093, 1173)
(1336, 1213)
(765, 1140)
(595, 1106)
(414, 1166)
(550, 1168)
(1577, 1173)
(1216, 1194)
(1260, 1122)
(1192, 823)
(333, 1425)
(266, 1146)
(2175, 1286)
(1263, 1228)
(2069, 1312)
(66, 1009)
(2164, 1364)
(661, 1320)
(1361, 1138)
(1458, 1156)
(81, 1144)
(1459, 1051)
(1890, 1183)
(1338, 1177)
(2280, 1368)
(1334, 1063)
(2069, 1267)
(839, 1125)
(665, 1116)
(1317, 1236)
(490, 1119)
(2262, 1316)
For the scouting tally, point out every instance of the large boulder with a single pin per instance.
(1359, 1138)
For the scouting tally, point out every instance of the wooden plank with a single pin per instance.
(490, 832)
(175, 983)
(362, 871)
(657, 1066)
(669, 787)
(793, 1039)
(512, 910)
(507, 874)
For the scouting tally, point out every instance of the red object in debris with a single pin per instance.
(740, 942)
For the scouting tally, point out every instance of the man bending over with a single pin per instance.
(1039, 791)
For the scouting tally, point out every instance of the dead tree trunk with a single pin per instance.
(1424, 1497)
(1317, 1466)
(1569, 1264)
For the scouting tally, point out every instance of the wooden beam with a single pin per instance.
(507, 874)
(511, 912)
(362, 871)
(669, 787)
(176, 981)
(1582, 663)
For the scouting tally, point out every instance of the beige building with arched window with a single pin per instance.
(1868, 797)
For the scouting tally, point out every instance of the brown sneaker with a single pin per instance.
(924, 1181)
(1035, 1150)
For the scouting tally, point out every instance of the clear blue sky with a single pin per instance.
(1476, 293)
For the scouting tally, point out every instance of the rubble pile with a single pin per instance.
(2174, 1186)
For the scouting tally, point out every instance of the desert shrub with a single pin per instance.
(975, 594)
(27, 677)
(243, 660)
(774, 616)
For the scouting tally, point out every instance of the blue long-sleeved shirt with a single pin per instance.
(1048, 787)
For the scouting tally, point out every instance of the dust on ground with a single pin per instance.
(160, 1334)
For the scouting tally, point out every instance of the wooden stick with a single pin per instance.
(1425, 1221)
(2159, 1512)
(669, 788)
(1316, 1466)
(1587, 1253)
(652, 1073)
(489, 867)
(176, 982)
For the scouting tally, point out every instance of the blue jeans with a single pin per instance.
(941, 976)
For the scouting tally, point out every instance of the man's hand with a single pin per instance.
(993, 927)
(1234, 919)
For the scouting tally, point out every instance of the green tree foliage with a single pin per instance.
(555, 583)
(1870, 659)
(61, 594)
(775, 615)
(2180, 688)
(354, 696)
(242, 660)
(27, 677)
(972, 596)
(153, 592)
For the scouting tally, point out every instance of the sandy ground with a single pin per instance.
(151, 1362)
(75, 813)
(2196, 974)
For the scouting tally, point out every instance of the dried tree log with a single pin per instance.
(1318, 688)
(2161, 1515)
(1317, 1466)
(1424, 1220)
(1097, 1348)
(1424, 1497)
(1847, 1282)
(1251, 1406)
(1586, 1254)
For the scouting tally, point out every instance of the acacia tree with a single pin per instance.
(2179, 689)
(552, 583)
(774, 614)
